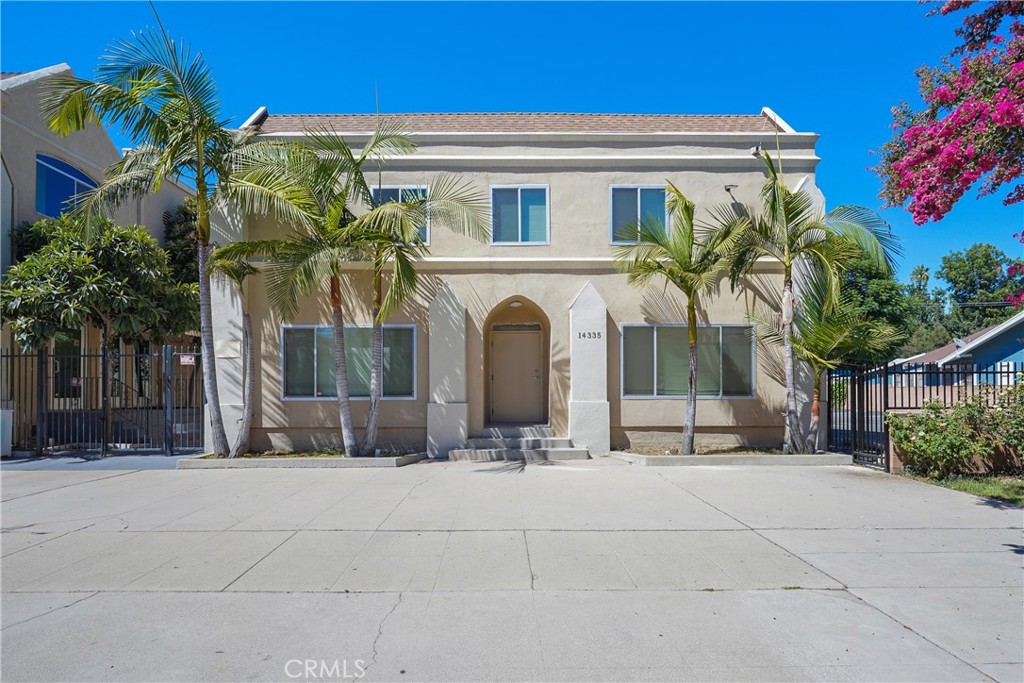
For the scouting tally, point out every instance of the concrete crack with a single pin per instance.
(55, 609)
(380, 630)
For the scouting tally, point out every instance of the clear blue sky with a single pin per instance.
(833, 68)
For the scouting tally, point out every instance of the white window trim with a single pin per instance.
(77, 181)
(547, 217)
(315, 326)
(426, 190)
(656, 397)
(611, 211)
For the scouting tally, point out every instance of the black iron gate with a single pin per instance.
(68, 400)
(858, 401)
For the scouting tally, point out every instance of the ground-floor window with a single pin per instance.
(308, 361)
(655, 361)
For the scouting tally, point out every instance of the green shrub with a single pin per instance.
(940, 441)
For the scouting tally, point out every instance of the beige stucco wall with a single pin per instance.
(578, 173)
(299, 423)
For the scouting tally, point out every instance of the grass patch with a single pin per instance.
(1006, 487)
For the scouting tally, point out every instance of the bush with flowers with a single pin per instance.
(941, 440)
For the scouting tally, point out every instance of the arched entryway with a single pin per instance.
(517, 340)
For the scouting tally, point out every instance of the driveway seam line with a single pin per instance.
(269, 552)
(67, 486)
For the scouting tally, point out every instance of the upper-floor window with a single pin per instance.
(308, 361)
(56, 183)
(403, 193)
(632, 206)
(655, 361)
(519, 214)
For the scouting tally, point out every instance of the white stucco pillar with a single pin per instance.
(588, 372)
(447, 410)
(225, 227)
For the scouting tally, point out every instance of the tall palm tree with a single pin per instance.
(827, 329)
(236, 271)
(389, 233)
(690, 259)
(165, 99)
(791, 229)
(318, 186)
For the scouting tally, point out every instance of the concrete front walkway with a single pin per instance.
(580, 571)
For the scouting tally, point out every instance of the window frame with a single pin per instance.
(657, 397)
(611, 210)
(547, 212)
(400, 187)
(317, 326)
(41, 160)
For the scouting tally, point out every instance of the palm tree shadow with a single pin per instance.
(515, 466)
(1015, 548)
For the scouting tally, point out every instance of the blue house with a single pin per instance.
(993, 356)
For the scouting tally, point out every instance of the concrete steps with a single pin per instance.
(517, 443)
(523, 443)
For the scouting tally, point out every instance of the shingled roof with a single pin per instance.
(524, 123)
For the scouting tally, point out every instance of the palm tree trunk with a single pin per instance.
(690, 425)
(220, 439)
(248, 384)
(376, 371)
(791, 440)
(812, 433)
(348, 432)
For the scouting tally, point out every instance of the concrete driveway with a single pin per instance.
(583, 571)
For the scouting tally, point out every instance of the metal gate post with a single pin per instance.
(105, 429)
(168, 399)
(885, 412)
(41, 401)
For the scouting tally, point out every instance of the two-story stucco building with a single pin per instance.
(534, 329)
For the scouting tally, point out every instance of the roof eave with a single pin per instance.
(974, 343)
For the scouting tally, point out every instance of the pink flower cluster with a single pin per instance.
(962, 143)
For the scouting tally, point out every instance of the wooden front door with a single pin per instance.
(518, 377)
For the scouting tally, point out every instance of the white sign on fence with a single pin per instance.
(188, 359)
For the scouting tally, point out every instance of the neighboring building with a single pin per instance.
(40, 173)
(535, 330)
(988, 356)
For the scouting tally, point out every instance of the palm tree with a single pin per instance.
(791, 229)
(236, 271)
(316, 185)
(688, 258)
(165, 99)
(827, 329)
(389, 233)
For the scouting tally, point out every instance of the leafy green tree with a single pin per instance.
(689, 258)
(828, 328)
(118, 282)
(878, 296)
(979, 286)
(180, 241)
(792, 230)
(318, 186)
(164, 98)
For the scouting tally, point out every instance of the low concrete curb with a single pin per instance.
(201, 463)
(737, 459)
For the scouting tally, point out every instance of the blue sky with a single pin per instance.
(833, 68)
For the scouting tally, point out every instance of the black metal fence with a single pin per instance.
(859, 396)
(100, 400)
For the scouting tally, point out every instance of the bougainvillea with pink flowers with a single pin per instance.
(970, 132)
